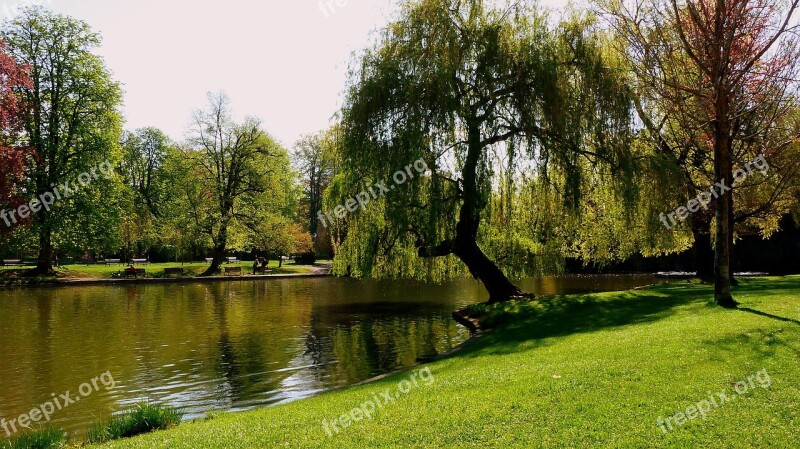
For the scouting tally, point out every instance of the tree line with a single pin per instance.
(546, 137)
(229, 186)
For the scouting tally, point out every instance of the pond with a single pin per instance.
(225, 346)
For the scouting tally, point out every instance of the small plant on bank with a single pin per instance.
(143, 418)
(47, 438)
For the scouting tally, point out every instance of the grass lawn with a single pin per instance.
(157, 269)
(578, 371)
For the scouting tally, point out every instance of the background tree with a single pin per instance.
(313, 160)
(452, 82)
(228, 162)
(142, 169)
(71, 120)
(724, 70)
(144, 152)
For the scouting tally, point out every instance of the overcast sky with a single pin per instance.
(284, 61)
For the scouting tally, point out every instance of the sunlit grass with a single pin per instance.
(581, 371)
(101, 271)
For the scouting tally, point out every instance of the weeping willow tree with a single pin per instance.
(470, 87)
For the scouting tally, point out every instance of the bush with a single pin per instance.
(47, 438)
(306, 259)
(143, 418)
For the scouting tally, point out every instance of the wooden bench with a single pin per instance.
(134, 273)
(12, 262)
(173, 272)
(232, 260)
(233, 271)
(209, 259)
(140, 261)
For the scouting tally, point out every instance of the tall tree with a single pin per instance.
(229, 161)
(725, 69)
(314, 161)
(144, 153)
(71, 120)
(453, 81)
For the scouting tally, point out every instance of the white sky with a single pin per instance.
(283, 61)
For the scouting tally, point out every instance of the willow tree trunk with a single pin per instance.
(465, 245)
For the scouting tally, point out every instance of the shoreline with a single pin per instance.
(321, 272)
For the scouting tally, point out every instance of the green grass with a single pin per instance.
(153, 270)
(582, 371)
(142, 418)
(47, 438)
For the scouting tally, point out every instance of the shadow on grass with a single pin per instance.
(768, 315)
(526, 321)
(759, 345)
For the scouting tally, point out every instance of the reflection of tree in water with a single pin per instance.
(315, 343)
(247, 359)
(236, 367)
(368, 348)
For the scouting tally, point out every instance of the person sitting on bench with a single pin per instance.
(131, 271)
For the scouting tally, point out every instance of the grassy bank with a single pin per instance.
(578, 371)
(16, 275)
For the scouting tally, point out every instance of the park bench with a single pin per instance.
(129, 273)
(112, 261)
(12, 262)
(233, 271)
(140, 261)
(173, 271)
(232, 260)
(209, 259)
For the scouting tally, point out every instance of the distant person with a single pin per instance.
(255, 266)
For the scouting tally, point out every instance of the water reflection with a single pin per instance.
(231, 346)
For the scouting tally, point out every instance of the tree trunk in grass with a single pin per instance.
(220, 246)
(723, 168)
(44, 264)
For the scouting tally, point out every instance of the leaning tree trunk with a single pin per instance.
(465, 245)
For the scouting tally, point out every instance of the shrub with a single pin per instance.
(306, 259)
(47, 438)
(142, 418)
